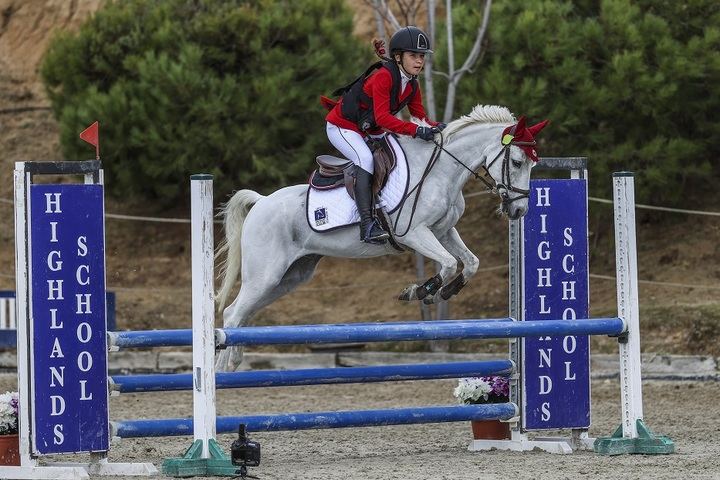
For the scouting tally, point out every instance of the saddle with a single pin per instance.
(334, 172)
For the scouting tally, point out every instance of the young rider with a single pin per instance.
(370, 109)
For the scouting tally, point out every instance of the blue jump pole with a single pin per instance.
(183, 337)
(316, 376)
(320, 420)
(378, 332)
(388, 332)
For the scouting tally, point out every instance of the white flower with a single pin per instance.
(472, 390)
(8, 413)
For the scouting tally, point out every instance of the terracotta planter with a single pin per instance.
(9, 450)
(490, 430)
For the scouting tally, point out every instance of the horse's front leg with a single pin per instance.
(423, 241)
(454, 244)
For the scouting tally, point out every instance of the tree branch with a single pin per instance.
(477, 47)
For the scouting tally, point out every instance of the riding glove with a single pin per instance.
(426, 133)
(441, 126)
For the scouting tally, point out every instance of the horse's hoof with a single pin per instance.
(408, 294)
(429, 300)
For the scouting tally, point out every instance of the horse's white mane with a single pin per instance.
(480, 114)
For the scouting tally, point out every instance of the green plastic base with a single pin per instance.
(647, 443)
(191, 465)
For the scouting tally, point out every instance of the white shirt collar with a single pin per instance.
(404, 79)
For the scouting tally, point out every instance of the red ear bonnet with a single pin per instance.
(522, 134)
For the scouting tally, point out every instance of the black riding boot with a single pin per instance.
(370, 231)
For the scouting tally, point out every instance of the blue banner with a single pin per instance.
(556, 370)
(69, 352)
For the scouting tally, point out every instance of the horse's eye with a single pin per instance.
(517, 163)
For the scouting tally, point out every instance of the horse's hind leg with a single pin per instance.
(258, 293)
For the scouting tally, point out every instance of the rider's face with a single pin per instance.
(413, 62)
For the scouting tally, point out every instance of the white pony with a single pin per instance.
(279, 251)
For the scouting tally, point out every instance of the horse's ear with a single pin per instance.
(535, 129)
(520, 126)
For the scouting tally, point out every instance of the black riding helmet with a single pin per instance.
(410, 39)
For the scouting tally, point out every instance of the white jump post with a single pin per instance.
(627, 302)
(203, 312)
(633, 436)
(204, 457)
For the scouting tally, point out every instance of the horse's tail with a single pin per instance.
(233, 213)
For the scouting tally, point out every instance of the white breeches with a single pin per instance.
(352, 145)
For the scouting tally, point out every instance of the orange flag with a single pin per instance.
(92, 136)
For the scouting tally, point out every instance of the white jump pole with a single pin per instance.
(203, 311)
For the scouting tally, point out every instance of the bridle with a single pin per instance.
(501, 189)
(505, 186)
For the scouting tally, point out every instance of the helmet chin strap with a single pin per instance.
(403, 67)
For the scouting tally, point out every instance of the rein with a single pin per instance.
(500, 189)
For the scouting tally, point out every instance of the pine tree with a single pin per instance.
(632, 84)
(228, 87)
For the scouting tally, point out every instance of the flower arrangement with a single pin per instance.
(491, 389)
(9, 413)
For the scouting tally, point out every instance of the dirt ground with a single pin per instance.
(148, 264)
(437, 451)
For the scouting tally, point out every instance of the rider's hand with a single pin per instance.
(426, 133)
(441, 126)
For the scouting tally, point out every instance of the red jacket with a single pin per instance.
(378, 86)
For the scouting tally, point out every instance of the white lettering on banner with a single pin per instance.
(542, 305)
(545, 355)
(543, 223)
(83, 394)
(55, 287)
(56, 350)
(567, 269)
(569, 344)
(59, 438)
(544, 277)
(82, 246)
(543, 197)
(569, 314)
(53, 232)
(88, 332)
(78, 274)
(87, 364)
(56, 265)
(58, 405)
(57, 375)
(545, 411)
(53, 319)
(52, 206)
(83, 303)
(567, 233)
(545, 385)
(567, 372)
(568, 290)
(544, 253)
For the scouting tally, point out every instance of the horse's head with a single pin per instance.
(510, 166)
